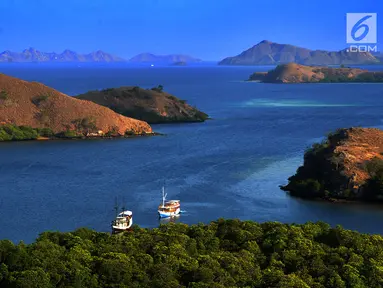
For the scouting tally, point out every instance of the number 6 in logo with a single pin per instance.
(361, 28)
(358, 25)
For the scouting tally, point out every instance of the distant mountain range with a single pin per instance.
(166, 59)
(269, 53)
(33, 55)
(264, 53)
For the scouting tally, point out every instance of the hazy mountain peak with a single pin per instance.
(269, 53)
(30, 50)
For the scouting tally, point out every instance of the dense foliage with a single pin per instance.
(321, 176)
(68, 134)
(11, 132)
(313, 179)
(374, 185)
(17, 133)
(83, 128)
(85, 125)
(227, 253)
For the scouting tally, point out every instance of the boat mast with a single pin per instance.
(116, 207)
(163, 196)
(123, 205)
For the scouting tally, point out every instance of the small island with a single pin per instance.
(180, 63)
(348, 165)
(151, 105)
(31, 110)
(296, 73)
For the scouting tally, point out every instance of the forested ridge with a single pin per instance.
(225, 253)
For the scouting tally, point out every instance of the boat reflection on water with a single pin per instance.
(174, 219)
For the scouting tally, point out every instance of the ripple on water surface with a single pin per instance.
(291, 103)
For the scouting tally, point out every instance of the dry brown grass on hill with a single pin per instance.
(296, 73)
(36, 105)
(359, 145)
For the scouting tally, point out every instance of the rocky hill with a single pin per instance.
(347, 165)
(33, 55)
(151, 105)
(36, 105)
(269, 53)
(295, 73)
(164, 59)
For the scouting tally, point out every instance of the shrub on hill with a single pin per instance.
(37, 100)
(3, 95)
(70, 134)
(85, 125)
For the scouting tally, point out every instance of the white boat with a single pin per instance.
(123, 222)
(168, 208)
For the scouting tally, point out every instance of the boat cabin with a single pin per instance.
(123, 222)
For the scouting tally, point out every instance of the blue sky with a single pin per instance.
(208, 29)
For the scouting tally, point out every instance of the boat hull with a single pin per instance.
(119, 230)
(164, 214)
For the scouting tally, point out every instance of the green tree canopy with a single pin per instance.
(225, 253)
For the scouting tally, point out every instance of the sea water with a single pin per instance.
(230, 166)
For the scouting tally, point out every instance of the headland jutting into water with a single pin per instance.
(31, 110)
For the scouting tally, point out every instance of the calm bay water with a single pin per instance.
(228, 167)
